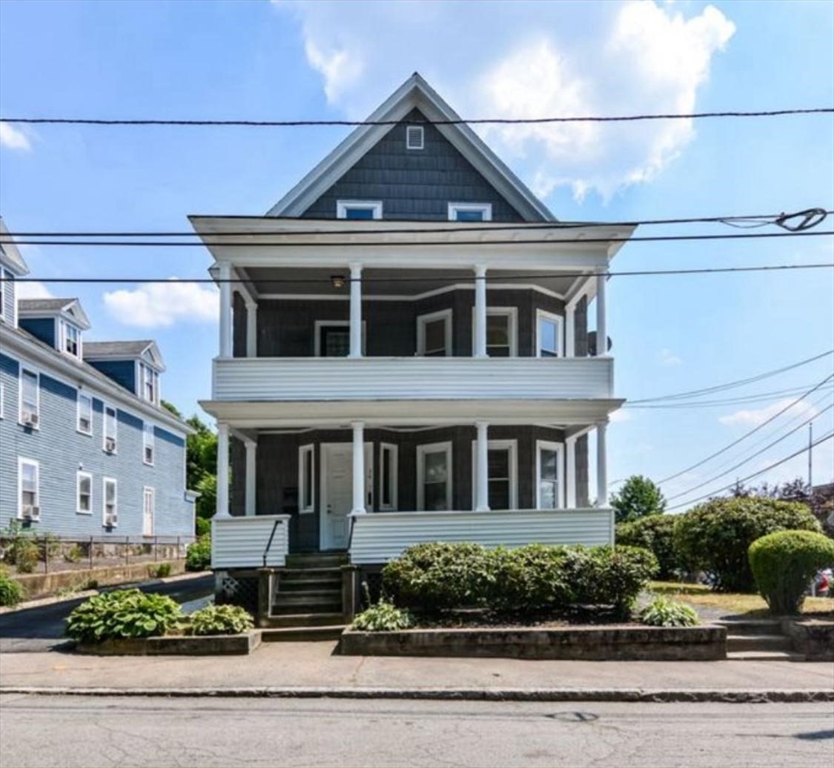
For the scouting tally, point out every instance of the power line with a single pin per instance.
(817, 442)
(751, 456)
(488, 279)
(756, 398)
(732, 384)
(453, 121)
(217, 239)
(808, 218)
(748, 434)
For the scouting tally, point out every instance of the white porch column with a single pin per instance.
(602, 466)
(355, 310)
(358, 467)
(222, 470)
(224, 276)
(251, 476)
(570, 472)
(480, 312)
(251, 329)
(602, 328)
(482, 469)
(570, 330)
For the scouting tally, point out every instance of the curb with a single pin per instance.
(645, 695)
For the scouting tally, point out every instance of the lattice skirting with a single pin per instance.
(238, 588)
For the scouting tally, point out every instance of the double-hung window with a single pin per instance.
(434, 334)
(110, 510)
(29, 398)
(501, 331)
(434, 476)
(148, 443)
(149, 382)
(470, 211)
(549, 475)
(502, 473)
(110, 427)
(306, 487)
(85, 413)
(84, 505)
(70, 339)
(388, 477)
(548, 334)
(359, 210)
(29, 474)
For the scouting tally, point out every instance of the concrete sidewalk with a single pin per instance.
(312, 669)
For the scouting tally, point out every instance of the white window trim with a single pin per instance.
(319, 324)
(394, 451)
(79, 396)
(148, 491)
(37, 395)
(306, 506)
(144, 371)
(21, 462)
(415, 130)
(512, 447)
(559, 448)
(422, 320)
(104, 482)
(373, 205)
(559, 321)
(104, 435)
(512, 313)
(485, 208)
(63, 326)
(422, 450)
(78, 477)
(145, 444)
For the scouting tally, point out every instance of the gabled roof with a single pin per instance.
(124, 350)
(414, 93)
(9, 254)
(52, 307)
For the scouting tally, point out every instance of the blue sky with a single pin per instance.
(282, 60)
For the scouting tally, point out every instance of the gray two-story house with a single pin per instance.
(86, 448)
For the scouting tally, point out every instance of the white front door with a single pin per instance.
(337, 492)
(147, 519)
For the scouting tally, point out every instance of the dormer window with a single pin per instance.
(359, 209)
(414, 137)
(70, 339)
(149, 383)
(470, 211)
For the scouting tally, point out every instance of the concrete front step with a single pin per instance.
(303, 620)
(303, 634)
(314, 583)
(764, 656)
(308, 597)
(752, 626)
(758, 643)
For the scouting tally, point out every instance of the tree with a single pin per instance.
(639, 497)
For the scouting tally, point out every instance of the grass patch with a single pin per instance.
(700, 596)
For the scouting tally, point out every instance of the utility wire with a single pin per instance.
(755, 398)
(453, 121)
(817, 442)
(809, 218)
(751, 432)
(750, 457)
(731, 384)
(488, 279)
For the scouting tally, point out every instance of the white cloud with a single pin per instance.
(13, 138)
(542, 60)
(157, 305)
(753, 418)
(668, 358)
(32, 290)
(620, 415)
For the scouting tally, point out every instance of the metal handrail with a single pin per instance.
(271, 537)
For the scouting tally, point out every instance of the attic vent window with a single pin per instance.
(414, 137)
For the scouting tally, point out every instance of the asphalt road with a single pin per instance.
(92, 732)
(42, 629)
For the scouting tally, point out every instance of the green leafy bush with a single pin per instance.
(715, 536)
(11, 593)
(384, 616)
(73, 554)
(665, 612)
(530, 579)
(783, 565)
(198, 555)
(655, 533)
(122, 614)
(220, 620)
(202, 527)
(20, 548)
(160, 571)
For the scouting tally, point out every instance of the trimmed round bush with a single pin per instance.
(655, 533)
(220, 620)
(665, 612)
(11, 593)
(530, 579)
(198, 555)
(783, 565)
(121, 614)
(715, 536)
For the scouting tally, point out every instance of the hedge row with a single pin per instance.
(530, 579)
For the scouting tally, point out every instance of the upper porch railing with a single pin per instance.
(411, 378)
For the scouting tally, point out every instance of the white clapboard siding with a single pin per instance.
(239, 542)
(381, 536)
(412, 378)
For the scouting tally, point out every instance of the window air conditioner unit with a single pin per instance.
(30, 419)
(111, 519)
(31, 512)
(110, 444)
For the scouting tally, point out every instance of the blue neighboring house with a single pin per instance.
(86, 448)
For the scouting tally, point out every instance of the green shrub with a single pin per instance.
(530, 579)
(783, 565)
(715, 536)
(655, 533)
(384, 616)
(202, 527)
(73, 554)
(20, 548)
(198, 555)
(122, 614)
(160, 571)
(220, 620)
(665, 612)
(11, 592)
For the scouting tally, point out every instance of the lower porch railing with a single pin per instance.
(381, 536)
(250, 542)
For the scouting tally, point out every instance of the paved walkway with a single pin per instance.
(314, 665)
